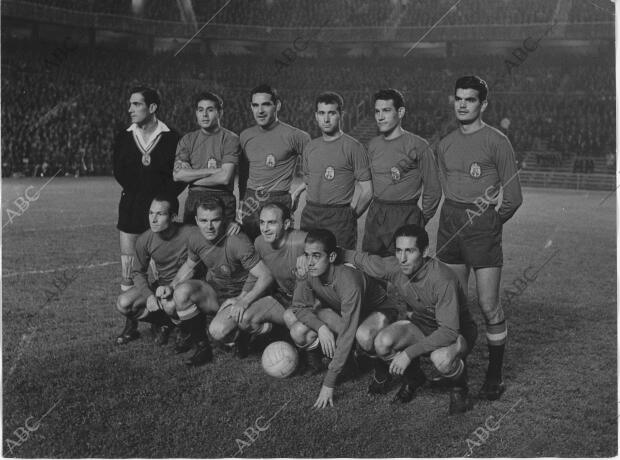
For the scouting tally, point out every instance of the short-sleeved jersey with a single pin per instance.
(331, 168)
(399, 169)
(168, 254)
(272, 154)
(228, 262)
(282, 262)
(348, 292)
(433, 295)
(209, 151)
(473, 166)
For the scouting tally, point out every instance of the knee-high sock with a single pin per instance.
(413, 374)
(496, 340)
(197, 327)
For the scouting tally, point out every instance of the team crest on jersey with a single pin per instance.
(212, 163)
(146, 159)
(329, 173)
(475, 171)
(225, 270)
(395, 173)
(270, 161)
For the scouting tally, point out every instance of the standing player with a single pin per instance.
(332, 165)
(401, 164)
(226, 293)
(143, 159)
(206, 159)
(165, 244)
(271, 149)
(346, 297)
(439, 322)
(476, 161)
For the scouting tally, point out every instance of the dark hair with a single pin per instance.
(473, 82)
(173, 202)
(212, 204)
(329, 97)
(267, 89)
(207, 96)
(323, 236)
(286, 212)
(390, 94)
(414, 231)
(149, 94)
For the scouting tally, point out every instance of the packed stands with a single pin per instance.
(353, 13)
(67, 115)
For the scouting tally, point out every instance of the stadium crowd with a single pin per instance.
(562, 103)
(356, 13)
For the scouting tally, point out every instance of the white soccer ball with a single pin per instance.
(280, 359)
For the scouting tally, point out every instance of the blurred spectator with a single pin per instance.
(67, 116)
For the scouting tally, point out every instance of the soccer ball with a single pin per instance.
(280, 359)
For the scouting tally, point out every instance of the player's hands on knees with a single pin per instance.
(233, 228)
(164, 292)
(151, 303)
(237, 306)
(327, 340)
(400, 362)
(326, 397)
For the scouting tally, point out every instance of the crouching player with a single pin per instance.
(226, 292)
(279, 246)
(166, 245)
(346, 297)
(439, 323)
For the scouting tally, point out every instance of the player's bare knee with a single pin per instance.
(442, 360)
(123, 304)
(492, 311)
(218, 329)
(183, 295)
(299, 333)
(383, 344)
(365, 337)
(289, 317)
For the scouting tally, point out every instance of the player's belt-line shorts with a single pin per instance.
(383, 219)
(466, 238)
(393, 310)
(133, 212)
(196, 195)
(468, 329)
(252, 203)
(340, 219)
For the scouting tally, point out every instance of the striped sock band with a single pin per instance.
(497, 333)
(314, 345)
(188, 313)
(456, 370)
(389, 357)
(264, 329)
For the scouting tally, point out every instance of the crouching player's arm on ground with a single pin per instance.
(260, 277)
(447, 317)
(350, 294)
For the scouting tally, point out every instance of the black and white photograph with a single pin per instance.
(309, 228)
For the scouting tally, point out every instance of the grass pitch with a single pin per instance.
(61, 275)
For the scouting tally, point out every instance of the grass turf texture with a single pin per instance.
(141, 401)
